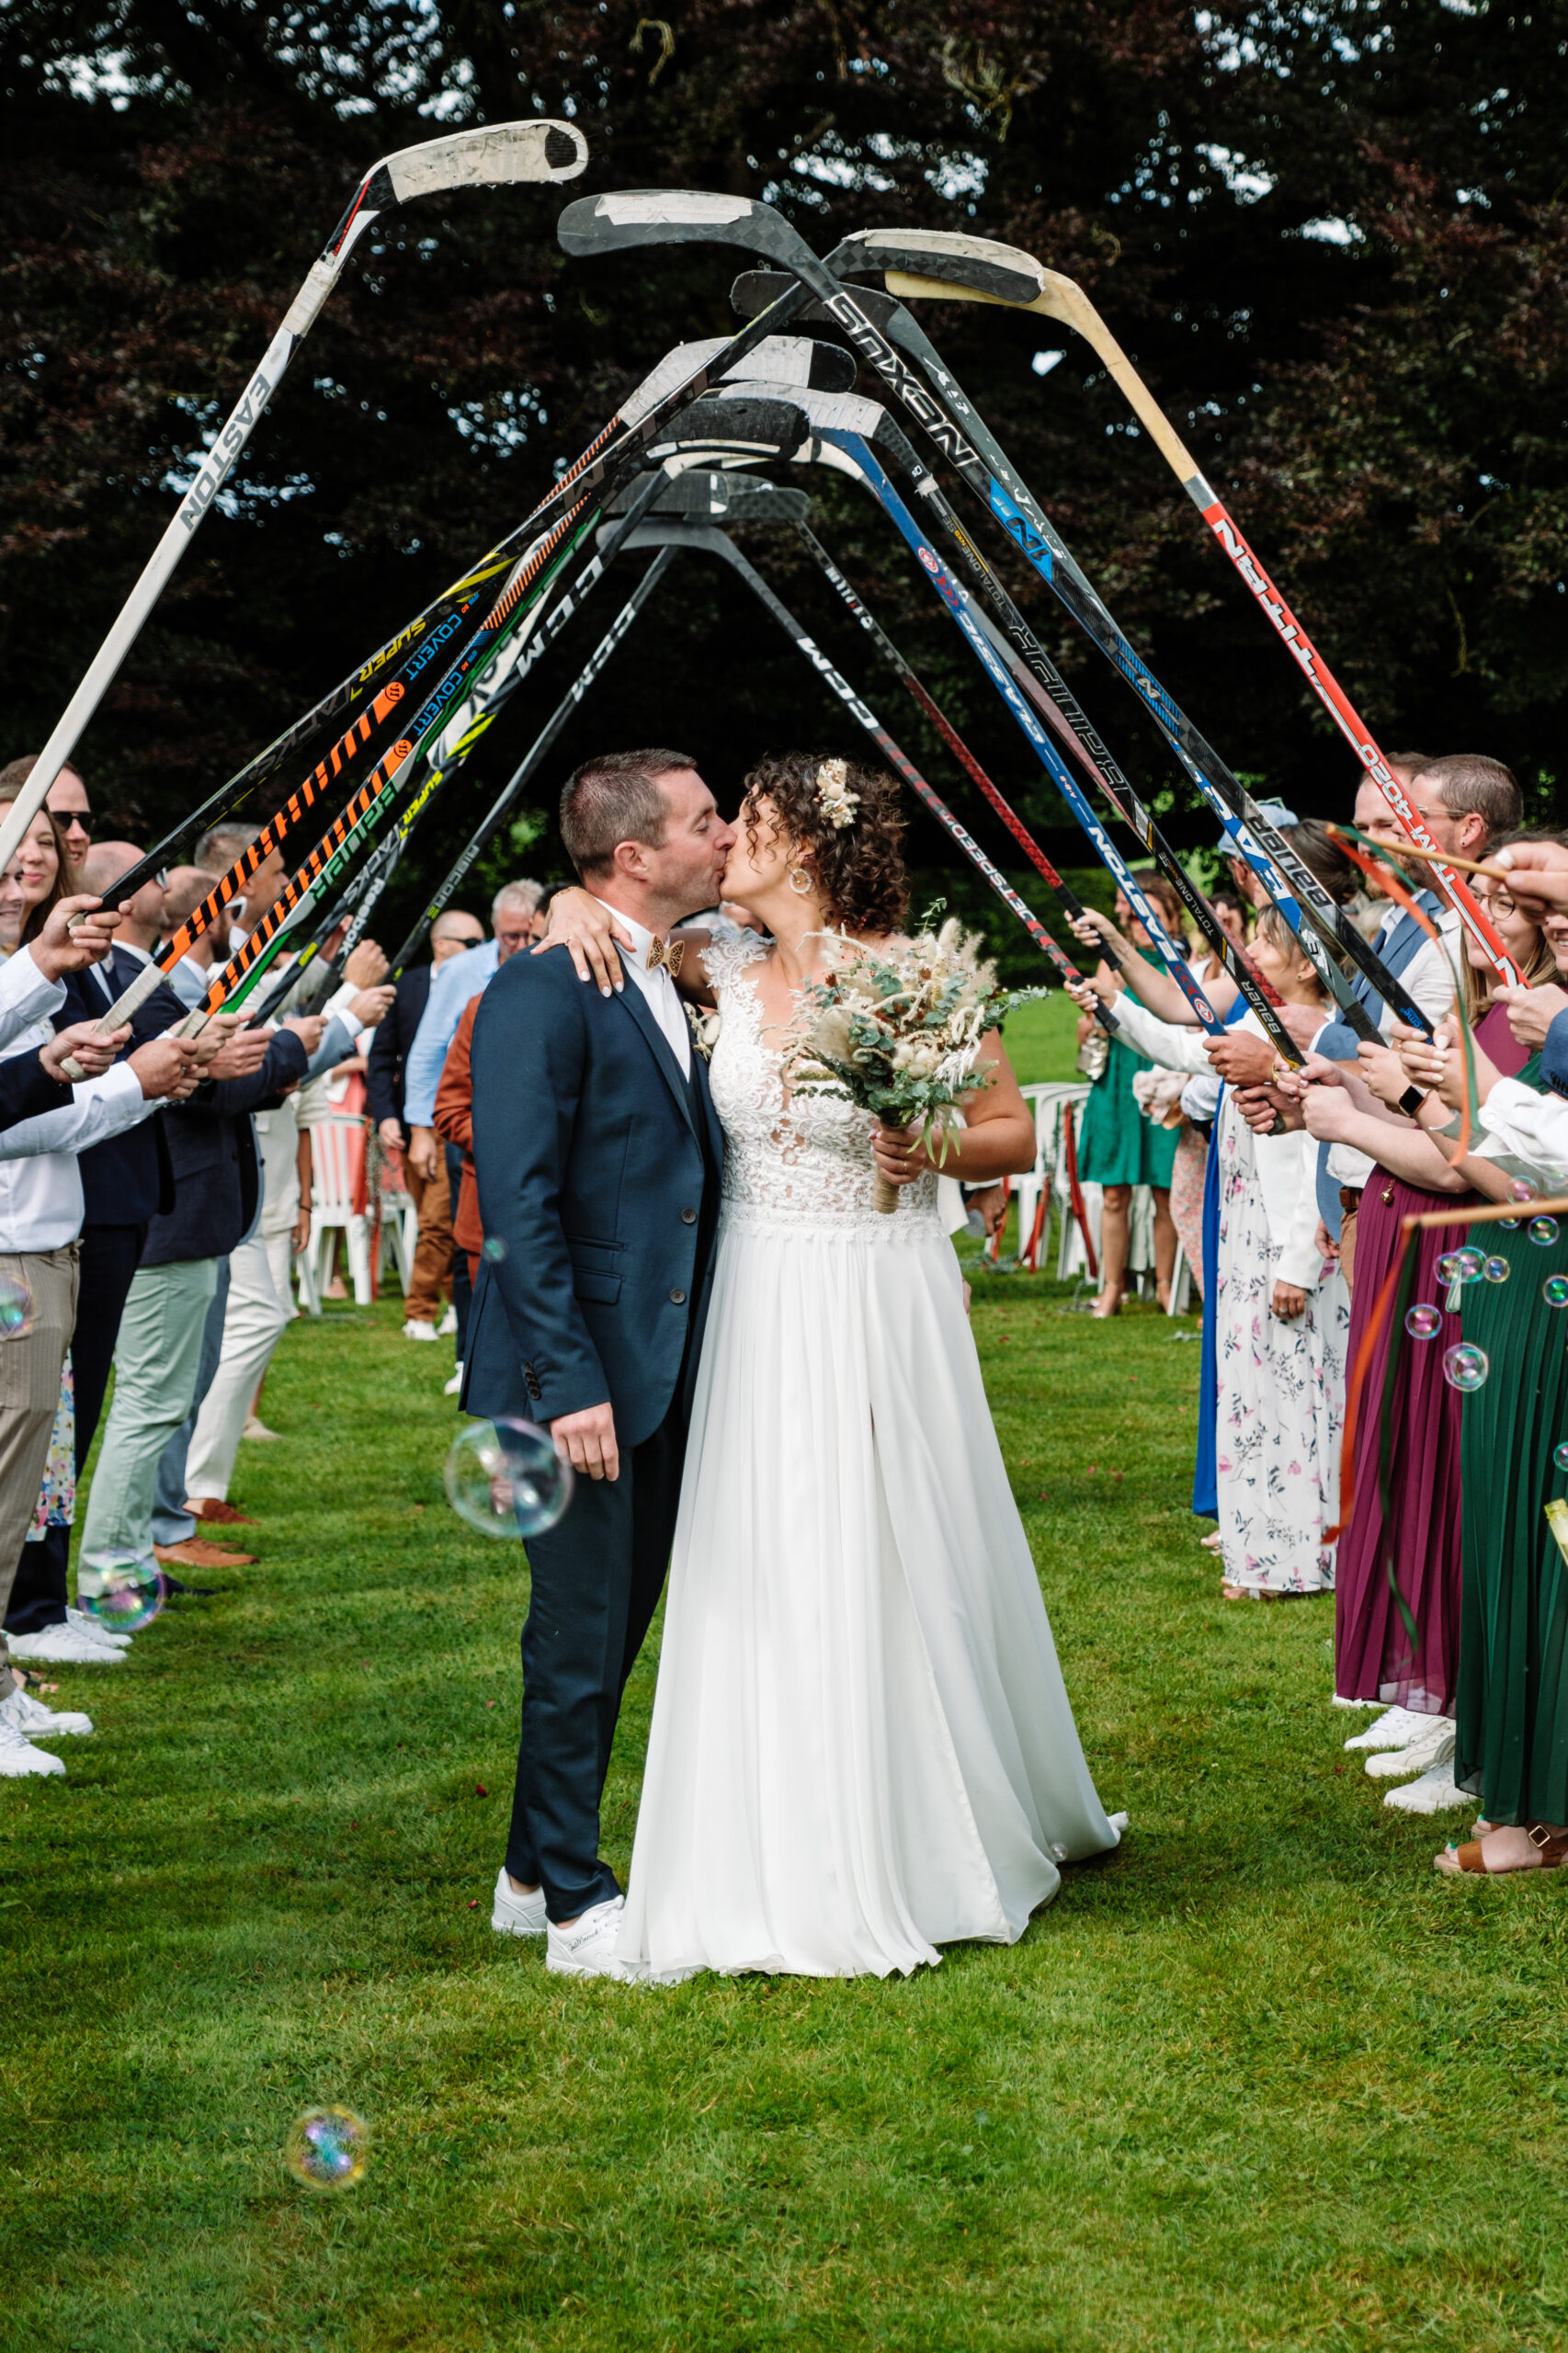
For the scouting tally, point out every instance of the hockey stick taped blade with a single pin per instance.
(666, 216)
(1003, 271)
(538, 150)
(739, 498)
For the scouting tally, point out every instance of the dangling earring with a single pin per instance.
(799, 880)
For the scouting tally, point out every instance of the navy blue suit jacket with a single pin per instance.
(129, 1179)
(212, 1141)
(598, 1163)
(386, 1069)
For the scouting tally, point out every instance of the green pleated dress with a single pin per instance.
(1118, 1146)
(1511, 1746)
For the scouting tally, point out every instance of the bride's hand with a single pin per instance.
(899, 1153)
(588, 931)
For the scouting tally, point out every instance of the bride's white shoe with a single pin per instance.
(587, 1948)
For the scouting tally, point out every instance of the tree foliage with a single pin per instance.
(1332, 236)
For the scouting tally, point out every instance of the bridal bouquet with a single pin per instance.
(897, 1030)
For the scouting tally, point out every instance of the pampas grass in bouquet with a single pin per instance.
(897, 1030)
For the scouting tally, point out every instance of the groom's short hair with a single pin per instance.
(616, 798)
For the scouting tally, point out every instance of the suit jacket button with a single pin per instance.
(677, 1299)
(688, 1217)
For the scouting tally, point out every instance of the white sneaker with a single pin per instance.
(448, 1323)
(514, 1914)
(1404, 1764)
(18, 1755)
(587, 1948)
(95, 1629)
(451, 1388)
(1395, 1729)
(65, 1646)
(417, 1328)
(35, 1722)
(1335, 1701)
(1435, 1793)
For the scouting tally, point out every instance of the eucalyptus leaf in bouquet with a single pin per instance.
(897, 1029)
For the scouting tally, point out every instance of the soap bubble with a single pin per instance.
(492, 1248)
(1509, 1225)
(16, 1308)
(1497, 1270)
(1421, 1322)
(506, 1479)
(1466, 1367)
(121, 1591)
(1554, 1290)
(1560, 1455)
(1542, 1230)
(1521, 1189)
(1449, 1269)
(328, 2148)
(1471, 1264)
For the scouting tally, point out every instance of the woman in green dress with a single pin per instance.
(1119, 1148)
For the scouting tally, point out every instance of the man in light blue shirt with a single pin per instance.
(453, 988)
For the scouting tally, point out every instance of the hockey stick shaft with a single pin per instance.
(1067, 301)
(496, 816)
(506, 151)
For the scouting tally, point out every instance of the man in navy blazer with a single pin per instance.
(598, 1153)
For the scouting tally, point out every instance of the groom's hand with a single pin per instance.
(587, 1441)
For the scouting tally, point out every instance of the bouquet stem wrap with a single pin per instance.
(884, 1197)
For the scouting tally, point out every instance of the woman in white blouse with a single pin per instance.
(1282, 1313)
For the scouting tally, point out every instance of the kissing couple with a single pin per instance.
(861, 1749)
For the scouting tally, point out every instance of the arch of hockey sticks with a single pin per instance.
(668, 472)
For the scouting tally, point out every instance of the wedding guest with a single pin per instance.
(1118, 1148)
(1377, 1655)
(386, 1078)
(454, 1124)
(1511, 1701)
(67, 798)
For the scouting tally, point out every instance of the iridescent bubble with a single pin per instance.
(1448, 1269)
(1560, 1455)
(123, 1591)
(328, 2148)
(1423, 1322)
(1472, 1264)
(1466, 1367)
(1542, 1230)
(1521, 1189)
(16, 1308)
(492, 1248)
(506, 1479)
(1554, 1290)
(1509, 1225)
(1497, 1270)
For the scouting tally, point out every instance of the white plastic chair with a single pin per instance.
(398, 1235)
(333, 1211)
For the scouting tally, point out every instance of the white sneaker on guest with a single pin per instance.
(65, 1646)
(514, 1914)
(587, 1948)
(448, 1323)
(1395, 1729)
(1433, 1746)
(18, 1755)
(35, 1722)
(451, 1388)
(418, 1328)
(93, 1628)
(1435, 1793)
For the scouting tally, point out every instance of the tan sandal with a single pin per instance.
(1550, 1845)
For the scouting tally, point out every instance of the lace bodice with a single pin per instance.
(805, 1164)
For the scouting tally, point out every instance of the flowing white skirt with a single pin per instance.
(862, 1744)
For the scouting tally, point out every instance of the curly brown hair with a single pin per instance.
(859, 867)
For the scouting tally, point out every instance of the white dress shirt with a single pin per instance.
(40, 1184)
(26, 997)
(663, 1003)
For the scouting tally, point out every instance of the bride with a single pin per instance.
(861, 1746)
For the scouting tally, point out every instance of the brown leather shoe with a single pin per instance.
(216, 1512)
(197, 1553)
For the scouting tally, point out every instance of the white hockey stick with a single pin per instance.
(535, 149)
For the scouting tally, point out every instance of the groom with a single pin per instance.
(598, 1151)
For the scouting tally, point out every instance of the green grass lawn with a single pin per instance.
(1259, 2079)
(1042, 1040)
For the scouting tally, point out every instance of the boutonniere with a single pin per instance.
(705, 1022)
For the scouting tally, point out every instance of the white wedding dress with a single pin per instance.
(861, 1746)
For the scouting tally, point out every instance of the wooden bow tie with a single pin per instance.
(667, 952)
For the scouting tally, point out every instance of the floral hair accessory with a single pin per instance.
(834, 798)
